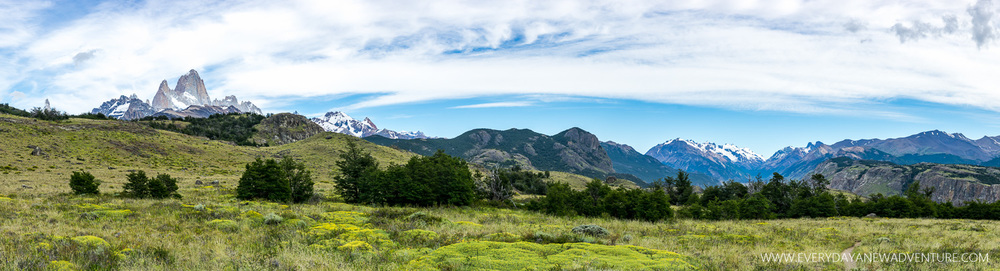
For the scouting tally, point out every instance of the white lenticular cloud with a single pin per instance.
(792, 55)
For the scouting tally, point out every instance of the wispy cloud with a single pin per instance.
(496, 104)
(794, 56)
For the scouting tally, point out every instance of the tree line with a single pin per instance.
(232, 127)
(779, 198)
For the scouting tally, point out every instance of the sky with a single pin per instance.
(757, 74)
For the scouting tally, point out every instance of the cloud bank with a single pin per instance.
(790, 55)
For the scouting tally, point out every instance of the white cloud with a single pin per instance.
(495, 105)
(797, 56)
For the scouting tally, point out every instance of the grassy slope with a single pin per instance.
(108, 149)
(172, 234)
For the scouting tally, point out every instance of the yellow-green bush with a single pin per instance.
(61, 266)
(329, 230)
(224, 225)
(503, 237)
(344, 217)
(355, 246)
(91, 241)
(417, 236)
(531, 256)
(253, 214)
(468, 223)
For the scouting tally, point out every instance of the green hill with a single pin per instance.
(628, 161)
(110, 148)
(574, 150)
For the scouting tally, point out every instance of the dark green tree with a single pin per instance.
(137, 185)
(355, 165)
(83, 182)
(286, 181)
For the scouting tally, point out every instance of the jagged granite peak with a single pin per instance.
(189, 99)
(125, 108)
(370, 123)
(160, 99)
(192, 90)
(340, 122)
(231, 100)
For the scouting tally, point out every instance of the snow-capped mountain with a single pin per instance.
(722, 162)
(190, 98)
(730, 152)
(340, 122)
(125, 108)
(400, 134)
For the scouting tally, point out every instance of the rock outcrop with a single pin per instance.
(954, 183)
(284, 128)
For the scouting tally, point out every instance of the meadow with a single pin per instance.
(44, 227)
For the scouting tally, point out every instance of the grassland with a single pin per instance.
(43, 227)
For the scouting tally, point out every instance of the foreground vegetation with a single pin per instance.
(209, 229)
(45, 226)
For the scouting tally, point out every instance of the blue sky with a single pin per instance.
(758, 74)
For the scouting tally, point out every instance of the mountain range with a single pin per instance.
(573, 150)
(340, 122)
(730, 162)
(188, 99)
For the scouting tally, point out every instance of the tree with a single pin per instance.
(354, 165)
(818, 183)
(449, 178)
(299, 179)
(140, 186)
(83, 182)
(679, 189)
(493, 187)
(756, 207)
(136, 185)
(654, 205)
(286, 181)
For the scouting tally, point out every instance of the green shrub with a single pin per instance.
(273, 219)
(83, 182)
(592, 230)
(285, 181)
(139, 186)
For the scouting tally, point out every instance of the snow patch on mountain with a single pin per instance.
(340, 122)
(731, 152)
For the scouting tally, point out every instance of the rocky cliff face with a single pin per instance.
(954, 183)
(196, 111)
(126, 108)
(190, 98)
(284, 128)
